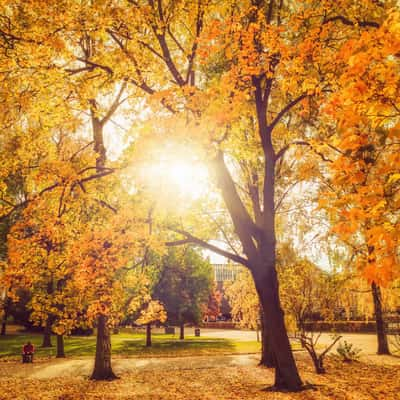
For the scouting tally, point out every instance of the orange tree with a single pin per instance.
(362, 121)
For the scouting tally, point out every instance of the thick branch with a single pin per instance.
(194, 240)
(244, 225)
(348, 22)
(284, 110)
(199, 27)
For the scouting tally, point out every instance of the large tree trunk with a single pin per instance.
(261, 258)
(148, 335)
(286, 374)
(47, 333)
(267, 355)
(182, 331)
(102, 366)
(383, 347)
(60, 347)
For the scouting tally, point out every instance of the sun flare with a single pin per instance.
(176, 175)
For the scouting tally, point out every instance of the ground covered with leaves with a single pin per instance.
(203, 380)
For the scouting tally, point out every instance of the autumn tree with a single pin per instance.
(242, 297)
(363, 198)
(184, 285)
(275, 60)
(152, 313)
(213, 308)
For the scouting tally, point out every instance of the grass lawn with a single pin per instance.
(130, 345)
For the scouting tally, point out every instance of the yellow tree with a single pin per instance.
(274, 58)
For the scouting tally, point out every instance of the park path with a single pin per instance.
(45, 369)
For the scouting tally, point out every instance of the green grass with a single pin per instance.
(130, 345)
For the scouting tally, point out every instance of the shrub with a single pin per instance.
(348, 352)
(309, 341)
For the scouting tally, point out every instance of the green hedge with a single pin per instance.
(341, 326)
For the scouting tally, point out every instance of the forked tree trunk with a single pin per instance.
(267, 356)
(261, 258)
(47, 333)
(148, 335)
(286, 374)
(182, 331)
(383, 347)
(60, 347)
(102, 365)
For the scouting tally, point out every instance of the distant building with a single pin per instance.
(226, 272)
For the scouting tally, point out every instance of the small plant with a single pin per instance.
(348, 352)
(309, 341)
(395, 339)
(395, 342)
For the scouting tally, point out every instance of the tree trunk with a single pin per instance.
(60, 347)
(148, 335)
(383, 347)
(182, 331)
(102, 365)
(3, 327)
(267, 356)
(286, 373)
(7, 305)
(47, 333)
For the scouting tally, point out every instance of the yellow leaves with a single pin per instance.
(382, 272)
(394, 178)
(394, 132)
(309, 86)
(352, 141)
(153, 312)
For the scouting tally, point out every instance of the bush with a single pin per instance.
(348, 352)
(341, 326)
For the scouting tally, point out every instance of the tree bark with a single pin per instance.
(148, 335)
(102, 365)
(47, 333)
(383, 347)
(182, 331)
(267, 355)
(7, 305)
(286, 373)
(60, 347)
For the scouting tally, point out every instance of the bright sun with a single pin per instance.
(189, 179)
(176, 175)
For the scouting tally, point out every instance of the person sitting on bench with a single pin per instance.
(27, 352)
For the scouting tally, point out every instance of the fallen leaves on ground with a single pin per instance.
(354, 381)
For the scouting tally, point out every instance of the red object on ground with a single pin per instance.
(28, 349)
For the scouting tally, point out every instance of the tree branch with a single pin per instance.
(284, 149)
(284, 110)
(194, 240)
(115, 104)
(348, 22)
(244, 225)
